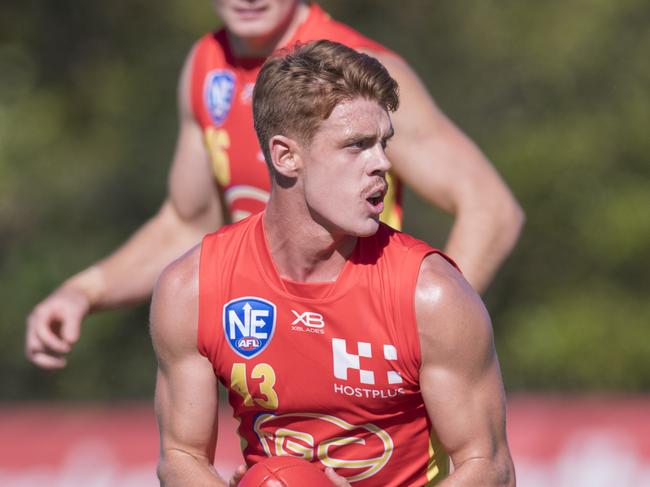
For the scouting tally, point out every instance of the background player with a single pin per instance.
(398, 374)
(216, 139)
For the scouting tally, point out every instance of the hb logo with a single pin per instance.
(344, 361)
(219, 90)
(248, 325)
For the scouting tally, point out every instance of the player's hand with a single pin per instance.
(240, 471)
(336, 479)
(54, 325)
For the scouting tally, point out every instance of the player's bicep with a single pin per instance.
(186, 387)
(186, 407)
(467, 414)
(192, 188)
(459, 378)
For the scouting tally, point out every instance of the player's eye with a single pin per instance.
(361, 144)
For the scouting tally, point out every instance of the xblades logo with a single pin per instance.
(314, 320)
(308, 321)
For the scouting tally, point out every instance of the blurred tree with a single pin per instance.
(87, 128)
(555, 93)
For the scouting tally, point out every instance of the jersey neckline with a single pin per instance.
(312, 292)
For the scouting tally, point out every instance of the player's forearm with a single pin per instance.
(128, 275)
(497, 471)
(483, 236)
(180, 469)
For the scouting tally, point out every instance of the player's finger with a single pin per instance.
(47, 337)
(71, 327)
(240, 471)
(32, 343)
(336, 479)
(48, 361)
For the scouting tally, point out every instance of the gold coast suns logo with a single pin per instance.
(357, 452)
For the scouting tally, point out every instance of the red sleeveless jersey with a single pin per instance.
(324, 371)
(221, 96)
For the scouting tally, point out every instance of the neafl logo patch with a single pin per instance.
(249, 324)
(219, 91)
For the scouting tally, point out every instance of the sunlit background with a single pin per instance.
(557, 95)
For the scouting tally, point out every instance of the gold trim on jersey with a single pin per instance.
(218, 143)
(438, 464)
(242, 191)
(390, 215)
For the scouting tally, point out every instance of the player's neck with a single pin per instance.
(261, 47)
(303, 250)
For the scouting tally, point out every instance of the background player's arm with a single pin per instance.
(191, 209)
(435, 158)
(460, 377)
(186, 386)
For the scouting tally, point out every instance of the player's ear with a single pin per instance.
(284, 155)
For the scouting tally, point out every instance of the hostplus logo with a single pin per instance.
(349, 367)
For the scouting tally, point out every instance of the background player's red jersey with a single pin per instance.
(325, 371)
(221, 95)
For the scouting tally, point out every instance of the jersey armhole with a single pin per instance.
(196, 77)
(406, 315)
(206, 339)
(405, 291)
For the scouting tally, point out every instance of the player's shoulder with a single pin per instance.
(446, 304)
(441, 287)
(211, 47)
(180, 278)
(205, 49)
(439, 272)
(395, 241)
(452, 321)
(216, 39)
(231, 242)
(174, 306)
(320, 25)
(233, 231)
(386, 233)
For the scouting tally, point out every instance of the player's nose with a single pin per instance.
(380, 162)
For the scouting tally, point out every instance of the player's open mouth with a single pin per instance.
(376, 201)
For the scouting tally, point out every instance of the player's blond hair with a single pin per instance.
(297, 89)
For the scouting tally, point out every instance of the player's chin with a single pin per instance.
(252, 27)
(368, 228)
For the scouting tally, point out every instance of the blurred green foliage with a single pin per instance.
(556, 94)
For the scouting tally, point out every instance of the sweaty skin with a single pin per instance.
(429, 153)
